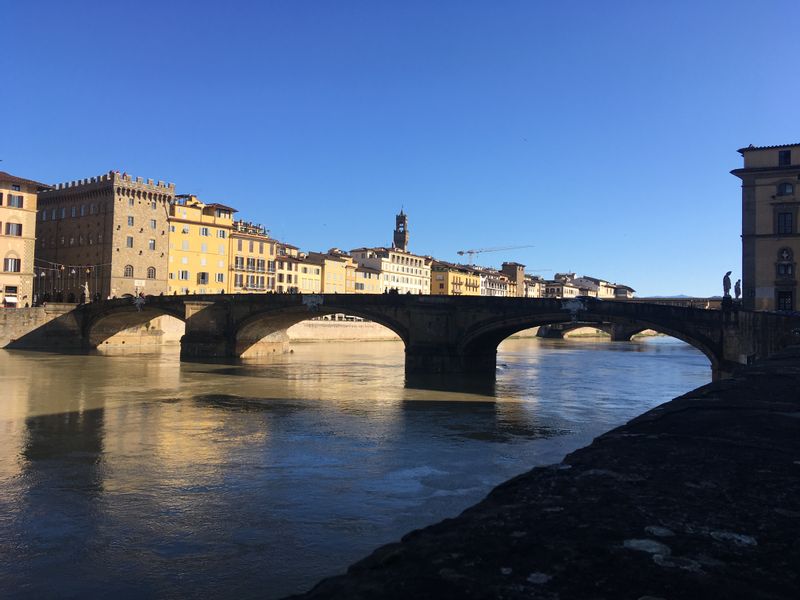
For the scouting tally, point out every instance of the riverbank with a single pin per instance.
(697, 498)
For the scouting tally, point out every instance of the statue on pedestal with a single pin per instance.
(726, 284)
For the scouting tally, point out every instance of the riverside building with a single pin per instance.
(770, 227)
(252, 264)
(19, 284)
(449, 279)
(199, 235)
(107, 234)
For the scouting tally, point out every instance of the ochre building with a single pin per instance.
(448, 279)
(19, 283)
(199, 235)
(770, 238)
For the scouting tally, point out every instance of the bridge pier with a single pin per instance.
(435, 359)
(207, 333)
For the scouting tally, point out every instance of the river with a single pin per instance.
(138, 476)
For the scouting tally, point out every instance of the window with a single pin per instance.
(784, 158)
(785, 222)
(785, 301)
(202, 278)
(220, 278)
(221, 249)
(238, 280)
(128, 271)
(221, 234)
(183, 275)
(129, 241)
(92, 209)
(73, 211)
(239, 245)
(203, 247)
(250, 246)
(204, 231)
(238, 262)
(785, 189)
(83, 210)
(151, 244)
(63, 212)
(153, 205)
(130, 221)
(153, 224)
(261, 247)
(44, 214)
(172, 228)
(15, 201)
(12, 265)
(14, 229)
(130, 202)
(15, 187)
(185, 245)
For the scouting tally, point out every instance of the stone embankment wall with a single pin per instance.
(19, 323)
(697, 498)
(340, 331)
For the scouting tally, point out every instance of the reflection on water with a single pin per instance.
(140, 476)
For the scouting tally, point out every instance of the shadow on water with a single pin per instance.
(476, 420)
(463, 384)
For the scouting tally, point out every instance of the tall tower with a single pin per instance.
(400, 240)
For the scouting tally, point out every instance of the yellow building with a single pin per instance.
(287, 268)
(448, 279)
(198, 246)
(367, 281)
(338, 271)
(17, 239)
(252, 259)
(309, 276)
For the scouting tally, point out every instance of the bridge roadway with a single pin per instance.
(442, 334)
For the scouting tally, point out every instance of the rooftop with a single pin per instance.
(20, 180)
(751, 148)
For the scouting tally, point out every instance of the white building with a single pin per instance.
(493, 283)
(397, 269)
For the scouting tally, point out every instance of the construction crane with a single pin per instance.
(472, 253)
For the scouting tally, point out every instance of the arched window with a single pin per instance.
(785, 189)
(151, 272)
(128, 271)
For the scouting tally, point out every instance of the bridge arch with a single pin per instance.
(268, 327)
(481, 341)
(117, 316)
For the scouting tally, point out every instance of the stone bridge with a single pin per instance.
(442, 334)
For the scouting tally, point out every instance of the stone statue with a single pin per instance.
(86, 292)
(737, 288)
(726, 284)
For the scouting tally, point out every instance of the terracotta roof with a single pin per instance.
(14, 179)
(750, 148)
(222, 206)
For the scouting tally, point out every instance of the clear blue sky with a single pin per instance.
(603, 133)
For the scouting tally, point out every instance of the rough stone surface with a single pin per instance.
(697, 498)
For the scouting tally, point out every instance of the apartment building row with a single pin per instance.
(116, 235)
(451, 279)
